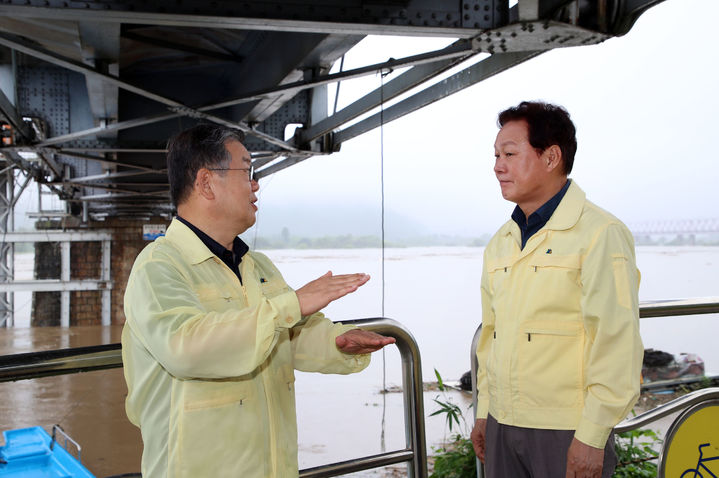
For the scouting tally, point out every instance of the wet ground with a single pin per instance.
(88, 406)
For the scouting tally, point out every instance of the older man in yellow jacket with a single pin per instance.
(560, 354)
(213, 333)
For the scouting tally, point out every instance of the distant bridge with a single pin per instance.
(679, 226)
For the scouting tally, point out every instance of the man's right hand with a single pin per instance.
(477, 437)
(314, 296)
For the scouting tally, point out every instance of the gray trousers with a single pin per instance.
(514, 452)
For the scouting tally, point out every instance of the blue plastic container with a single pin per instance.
(28, 453)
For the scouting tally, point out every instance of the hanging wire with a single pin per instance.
(381, 141)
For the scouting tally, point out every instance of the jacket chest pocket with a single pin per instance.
(554, 279)
(499, 271)
(549, 364)
(272, 286)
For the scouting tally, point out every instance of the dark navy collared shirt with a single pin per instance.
(538, 218)
(231, 258)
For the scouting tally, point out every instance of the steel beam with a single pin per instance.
(89, 157)
(106, 275)
(64, 280)
(481, 71)
(404, 82)
(133, 123)
(54, 285)
(24, 46)
(440, 59)
(290, 160)
(101, 51)
(145, 195)
(57, 236)
(460, 50)
(109, 149)
(179, 47)
(106, 187)
(43, 151)
(431, 24)
(7, 192)
(106, 176)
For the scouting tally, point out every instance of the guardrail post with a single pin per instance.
(412, 388)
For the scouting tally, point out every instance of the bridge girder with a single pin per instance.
(97, 86)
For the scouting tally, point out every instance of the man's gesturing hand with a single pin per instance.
(314, 296)
(357, 341)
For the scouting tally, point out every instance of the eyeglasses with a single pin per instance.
(250, 171)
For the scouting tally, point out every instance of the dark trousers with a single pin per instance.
(514, 452)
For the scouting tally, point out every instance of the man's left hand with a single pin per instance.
(358, 341)
(584, 461)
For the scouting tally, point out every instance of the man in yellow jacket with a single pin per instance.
(559, 356)
(213, 333)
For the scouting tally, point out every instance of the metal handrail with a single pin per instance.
(666, 308)
(83, 359)
(59, 362)
(661, 411)
(647, 309)
(416, 452)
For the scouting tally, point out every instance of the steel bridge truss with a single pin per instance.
(90, 90)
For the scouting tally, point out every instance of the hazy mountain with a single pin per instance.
(329, 219)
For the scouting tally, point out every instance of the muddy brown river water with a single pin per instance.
(88, 406)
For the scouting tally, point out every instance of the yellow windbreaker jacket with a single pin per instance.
(209, 362)
(560, 346)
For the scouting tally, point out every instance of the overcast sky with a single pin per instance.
(645, 106)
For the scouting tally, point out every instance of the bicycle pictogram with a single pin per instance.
(696, 472)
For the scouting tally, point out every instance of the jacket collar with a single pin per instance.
(569, 210)
(565, 216)
(187, 242)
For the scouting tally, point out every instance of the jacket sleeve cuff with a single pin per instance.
(288, 309)
(592, 434)
(482, 408)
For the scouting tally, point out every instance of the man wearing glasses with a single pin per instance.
(213, 333)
